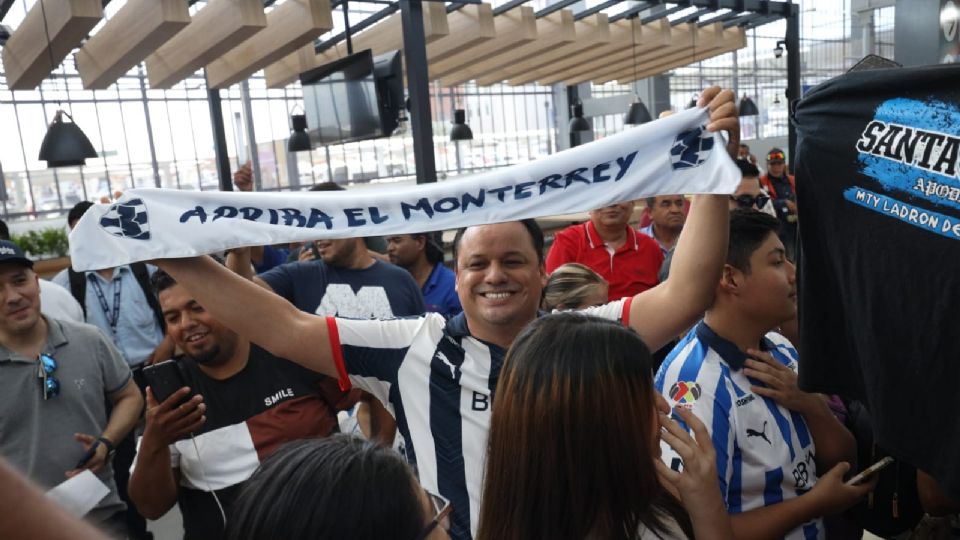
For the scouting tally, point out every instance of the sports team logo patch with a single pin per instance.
(127, 220)
(691, 148)
(684, 394)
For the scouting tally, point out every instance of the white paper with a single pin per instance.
(80, 494)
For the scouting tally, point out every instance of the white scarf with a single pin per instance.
(674, 155)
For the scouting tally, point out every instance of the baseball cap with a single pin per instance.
(776, 154)
(10, 252)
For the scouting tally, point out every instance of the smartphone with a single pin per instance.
(316, 252)
(165, 378)
(870, 471)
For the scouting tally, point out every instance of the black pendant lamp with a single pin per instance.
(460, 130)
(747, 107)
(638, 114)
(299, 138)
(578, 122)
(65, 144)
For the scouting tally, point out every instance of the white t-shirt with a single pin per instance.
(57, 303)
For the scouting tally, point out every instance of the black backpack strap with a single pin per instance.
(142, 274)
(78, 288)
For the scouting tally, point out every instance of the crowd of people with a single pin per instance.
(630, 380)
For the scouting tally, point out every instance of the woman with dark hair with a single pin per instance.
(575, 443)
(336, 488)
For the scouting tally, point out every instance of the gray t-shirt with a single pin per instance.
(36, 435)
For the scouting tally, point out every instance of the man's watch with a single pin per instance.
(111, 449)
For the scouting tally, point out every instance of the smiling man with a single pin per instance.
(249, 402)
(438, 376)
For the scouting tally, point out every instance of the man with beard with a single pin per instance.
(628, 260)
(247, 403)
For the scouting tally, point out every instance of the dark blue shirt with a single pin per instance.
(439, 292)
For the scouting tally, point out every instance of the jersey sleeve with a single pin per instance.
(561, 252)
(281, 280)
(618, 310)
(368, 353)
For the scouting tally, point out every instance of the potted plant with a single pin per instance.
(48, 248)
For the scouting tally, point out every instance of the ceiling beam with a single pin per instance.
(552, 30)
(26, 55)
(289, 26)
(627, 37)
(468, 26)
(136, 30)
(218, 27)
(733, 39)
(513, 28)
(589, 33)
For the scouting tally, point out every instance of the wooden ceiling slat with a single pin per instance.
(552, 30)
(514, 27)
(26, 60)
(136, 30)
(733, 39)
(290, 26)
(218, 27)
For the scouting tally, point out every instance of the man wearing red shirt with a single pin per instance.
(629, 261)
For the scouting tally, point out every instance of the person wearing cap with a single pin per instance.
(422, 255)
(56, 377)
(782, 189)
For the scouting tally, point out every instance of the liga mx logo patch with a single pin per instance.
(691, 148)
(127, 220)
(685, 393)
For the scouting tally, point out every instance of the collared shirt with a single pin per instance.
(438, 381)
(137, 332)
(36, 435)
(439, 292)
(630, 269)
(765, 452)
(667, 252)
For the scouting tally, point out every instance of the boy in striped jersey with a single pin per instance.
(438, 377)
(739, 377)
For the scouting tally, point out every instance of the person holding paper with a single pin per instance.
(56, 377)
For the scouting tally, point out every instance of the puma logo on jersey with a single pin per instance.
(762, 433)
(453, 369)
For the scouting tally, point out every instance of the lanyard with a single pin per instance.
(113, 317)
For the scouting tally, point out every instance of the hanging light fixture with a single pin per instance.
(747, 107)
(299, 138)
(692, 103)
(460, 131)
(578, 122)
(65, 144)
(638, 113)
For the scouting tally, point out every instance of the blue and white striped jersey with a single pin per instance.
(765, 453)
(438, 381)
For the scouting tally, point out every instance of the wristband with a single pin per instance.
(111, 449)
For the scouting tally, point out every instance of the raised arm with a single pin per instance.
(660, 314)
(255, 313)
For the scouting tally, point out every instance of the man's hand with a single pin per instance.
(96, 461)
(167, 423)
(791, 206)
(833, 495)
(243, 177)
(306, 252)
(723, 116)
(781, 383)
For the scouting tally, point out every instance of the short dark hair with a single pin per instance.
(4, 230)
(536, 235)
(336, 487)
(432, 247)
(743, 145)
(161, 281)
(747, 169)
(327, 186)
(748, 229)
(78, 211)
(651, 202)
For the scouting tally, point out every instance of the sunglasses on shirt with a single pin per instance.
(49, 384)
(442, 510)
(746, 201)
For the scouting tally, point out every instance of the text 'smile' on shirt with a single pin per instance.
(878, 188)
(439, 382)
(765, 453)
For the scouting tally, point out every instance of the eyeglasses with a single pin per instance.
(746, 201)
(442, 509)
(49, 384)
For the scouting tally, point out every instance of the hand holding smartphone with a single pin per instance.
(164, 378)
(865, 474)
